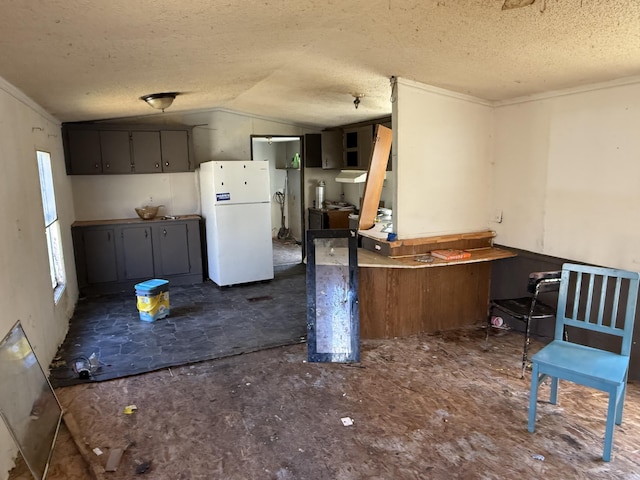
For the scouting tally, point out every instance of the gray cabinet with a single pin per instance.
(83, 152)
(116, 155)
(112, 257)
(137, 252)
(147, 156)
(171, 253)
(175, 150)
(97, 255)
(109, 148)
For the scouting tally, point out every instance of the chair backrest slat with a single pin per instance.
(603, 294)
(616, 299)
(619, 298)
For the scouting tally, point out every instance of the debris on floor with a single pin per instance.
(417, 417)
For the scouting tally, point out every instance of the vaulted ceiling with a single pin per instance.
(301, 61)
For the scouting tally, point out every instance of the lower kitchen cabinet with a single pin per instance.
(171, 247)
(114, 255)
(137, 253)
(320, 219)
(94, 267)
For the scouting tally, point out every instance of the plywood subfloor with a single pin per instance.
(436, 407)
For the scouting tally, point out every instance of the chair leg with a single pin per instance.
(533, 398)
(622, 391)
(608, 434)
(525, 350)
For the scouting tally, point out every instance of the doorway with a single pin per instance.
(286, 173)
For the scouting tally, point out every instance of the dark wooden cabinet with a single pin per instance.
(331, 146)
(321, 219)
(312, 152)
(323, 150)
(92, 149)
(357, 147)
(114, 255)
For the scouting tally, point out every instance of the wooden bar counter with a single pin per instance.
(401, 296)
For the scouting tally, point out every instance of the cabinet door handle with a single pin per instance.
(107, 165)
(164, 231)
(166, 164)
(157, 165)
(96, 166)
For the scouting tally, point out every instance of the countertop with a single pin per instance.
(367, 258)
(125, 221)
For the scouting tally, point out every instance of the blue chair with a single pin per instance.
(591, 299)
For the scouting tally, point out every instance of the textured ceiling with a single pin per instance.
(301, 60)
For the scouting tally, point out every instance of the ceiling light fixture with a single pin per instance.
(357, 97)
(509, 4)
(160, 100)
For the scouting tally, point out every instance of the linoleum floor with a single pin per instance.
(205, 322)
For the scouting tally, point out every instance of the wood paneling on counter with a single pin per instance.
(398, 302)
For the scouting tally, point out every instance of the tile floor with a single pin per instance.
(205, 322)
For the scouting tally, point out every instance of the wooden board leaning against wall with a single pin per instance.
(399, 294)
(375, 176)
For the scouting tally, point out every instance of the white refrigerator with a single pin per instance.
(236, 205)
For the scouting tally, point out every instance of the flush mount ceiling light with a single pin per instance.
(509, 4)
(357, 97)
(160, 100)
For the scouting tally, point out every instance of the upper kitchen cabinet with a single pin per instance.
(115, 150)
(146, 151)
(91, 152)
(357, 147)
(112, 148)
(312, 153)
(175, 151)
(323, 150)
(82, 151)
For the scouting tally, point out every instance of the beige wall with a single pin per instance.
(567, 175)
(25, 285)
(442, 161)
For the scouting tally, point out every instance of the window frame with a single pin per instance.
(51, 224)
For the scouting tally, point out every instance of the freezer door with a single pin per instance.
(240, 182)
(239, 244)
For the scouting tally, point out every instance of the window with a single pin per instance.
(51, 224)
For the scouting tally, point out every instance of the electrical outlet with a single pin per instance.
(497, 216)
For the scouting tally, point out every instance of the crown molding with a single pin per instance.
(444, 92)
(620, 82)
(24, 99)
